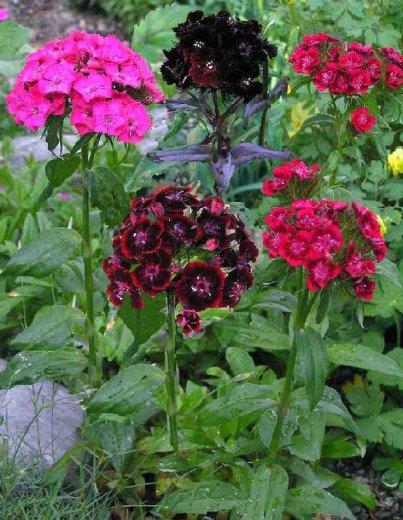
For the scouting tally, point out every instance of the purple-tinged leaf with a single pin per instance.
(245, 152)
(193, 153)
(181, 104)
(259, 103)
(223, 170)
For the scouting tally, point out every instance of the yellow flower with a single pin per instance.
(358, 382)
(298, 115)
(382, 224)
(395, 161)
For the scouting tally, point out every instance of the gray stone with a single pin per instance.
(40, 422)
(159, 129)
(3, 365)
(26, 146)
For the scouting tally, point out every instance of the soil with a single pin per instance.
(48, 19)
(389, 501)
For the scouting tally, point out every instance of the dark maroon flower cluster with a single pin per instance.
(173, 241)
(218, 51)
(346, 68)
(330, 240)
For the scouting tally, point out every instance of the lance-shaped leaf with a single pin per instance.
(181, 104)
(223, 170)
(245, 152)
(259, 103)
(193, 153)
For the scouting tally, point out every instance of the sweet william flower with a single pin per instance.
(100, 81)
(4, 14)
(94, 86)
(218, 51)
(330, 240)
(200, 286)
(393, 76)
(362, 120)
(172, 241)
(395, 161)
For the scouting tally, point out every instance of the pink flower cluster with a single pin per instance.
(330, 240)
(346, 68)
(293, 177)
(99, 80)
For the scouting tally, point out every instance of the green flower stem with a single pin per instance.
(87, 163)
(303, 309)
(170, 372)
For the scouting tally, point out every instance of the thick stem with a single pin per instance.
(302, 312)
(87, 259)
(170, 372)
(263, 121)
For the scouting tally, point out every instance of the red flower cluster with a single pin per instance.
(346, 68)
(362, 120)
(330, 240)
(294, 178)
(103, 83)
(172, 240)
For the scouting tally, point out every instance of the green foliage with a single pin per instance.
(51, 249)
(349, 364)
(13, 46)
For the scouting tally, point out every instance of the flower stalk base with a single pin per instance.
(170, 372)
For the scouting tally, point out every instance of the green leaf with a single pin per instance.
(337, 446)
(242, 400)
(53, 135)
(51, 249)
(154, 32)
(353, 490)
(359, 356)
(13, 37)
(61, 168)
(307, 444)
(254, 331)
(37, 364)
(397, 355)
(391, 424)
(312, 363)
(145, 322)
(108, 194)
(318, 119)
(201, 498)
(268, 490)
(127, 391)
(52, 327)
(331, 403)
(306, 501)
(117, 439)
(178, 122)
(239, 361)
(8, 304)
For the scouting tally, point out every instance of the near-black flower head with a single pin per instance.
(218, 51)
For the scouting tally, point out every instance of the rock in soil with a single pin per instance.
(40, 423)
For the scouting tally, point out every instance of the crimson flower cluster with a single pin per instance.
(218, 51)
(330, 240)
(173, 241)
(100, 81)
(346, 68)
(293, 179)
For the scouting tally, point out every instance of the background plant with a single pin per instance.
(230, 375)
